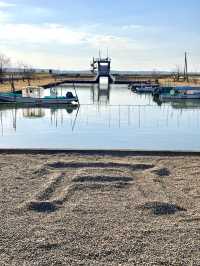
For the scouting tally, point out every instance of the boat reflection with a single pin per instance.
(10, 113)
(33, 112)
(188, 104)
(180, 104)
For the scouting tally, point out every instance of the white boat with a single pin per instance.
(35, 95)
(146, 89)
(176, 94)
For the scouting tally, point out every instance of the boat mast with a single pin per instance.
(76, 93)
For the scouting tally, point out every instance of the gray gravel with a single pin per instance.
(99, 210)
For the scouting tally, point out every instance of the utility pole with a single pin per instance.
(186, 69)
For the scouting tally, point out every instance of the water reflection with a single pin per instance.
(116, 116)
(11, 113)
(33, 113)
(180, 104)
(100, 94)
(109, 117)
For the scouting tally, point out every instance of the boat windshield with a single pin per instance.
(33, 92)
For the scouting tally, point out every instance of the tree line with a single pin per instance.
(22, 71)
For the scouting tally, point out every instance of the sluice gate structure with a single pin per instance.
(101, 67)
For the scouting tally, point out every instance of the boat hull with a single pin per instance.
(37, 101)
(179, 97)
(145, 89)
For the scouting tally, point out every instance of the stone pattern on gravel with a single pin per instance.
(99, 210)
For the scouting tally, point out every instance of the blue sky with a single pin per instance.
(140, 35)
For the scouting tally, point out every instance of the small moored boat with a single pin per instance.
(35, 95)
(179, 94)
(146, 88)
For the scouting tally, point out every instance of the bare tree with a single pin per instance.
(21, 69)
(4, 63)
(29, 73)
(176, 74)
(26, 72)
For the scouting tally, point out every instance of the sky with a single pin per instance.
(138, 34)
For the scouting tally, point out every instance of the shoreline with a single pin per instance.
(111, 152)
(46, 81)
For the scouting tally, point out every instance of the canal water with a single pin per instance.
(108, 118)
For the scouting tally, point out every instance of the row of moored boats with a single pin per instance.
(165, 93)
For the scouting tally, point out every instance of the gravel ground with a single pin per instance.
(76, 209)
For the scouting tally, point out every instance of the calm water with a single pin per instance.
(117, 118)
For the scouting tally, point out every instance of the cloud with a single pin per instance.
(4, 17)
(40, 34)
(47, 34)
(133, 27)
(4, 4)
(54, 45)
(47, 45)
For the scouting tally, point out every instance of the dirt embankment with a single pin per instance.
(46, 79)
(41, 80)
(79, 209)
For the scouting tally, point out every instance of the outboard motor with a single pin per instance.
(69, 95)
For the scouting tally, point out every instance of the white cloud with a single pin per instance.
(61, 46)
(62, 35)
(40, 34)
(50, 45)
(4, 17)
(133, 27)
(115, 43)
(4, 4)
